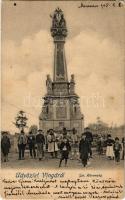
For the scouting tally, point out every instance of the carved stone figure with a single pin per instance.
(43, 113)
(58, 19)
(74, 101)
(72, 78)
(58, 24)
(46, 101)
(62, 22)
(72, 85)
(49, 84)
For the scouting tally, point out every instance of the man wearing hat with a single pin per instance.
(89, 137)
(84, 149)
(22, 140)
(31, 142)
(117, 147)
(40, 141)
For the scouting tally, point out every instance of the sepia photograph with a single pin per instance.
(62, 85)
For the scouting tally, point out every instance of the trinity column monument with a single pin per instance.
(61, 106)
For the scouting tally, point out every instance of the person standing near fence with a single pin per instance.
(40, 141)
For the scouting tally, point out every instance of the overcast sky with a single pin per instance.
(94, 52)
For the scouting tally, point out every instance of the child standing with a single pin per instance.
(117, 148)
(65, 149)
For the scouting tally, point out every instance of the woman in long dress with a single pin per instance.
(109, 148)
(52, 144)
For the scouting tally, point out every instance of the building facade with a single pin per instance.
(61, 104)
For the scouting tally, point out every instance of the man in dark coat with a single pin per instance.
(84, 149)
(89, 137)
(40, 141)
(5, 146)
(22, 140)
(31, 142)
(117, 147)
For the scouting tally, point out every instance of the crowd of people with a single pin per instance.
(64, 146)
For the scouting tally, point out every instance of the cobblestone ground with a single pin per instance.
(97, 162)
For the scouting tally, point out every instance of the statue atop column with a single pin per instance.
(61, 103)
(58, 24)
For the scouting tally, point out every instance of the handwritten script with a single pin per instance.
(82, 187)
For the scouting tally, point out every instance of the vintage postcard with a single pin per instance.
(62, 99)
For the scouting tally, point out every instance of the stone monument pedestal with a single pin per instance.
(61, 104)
